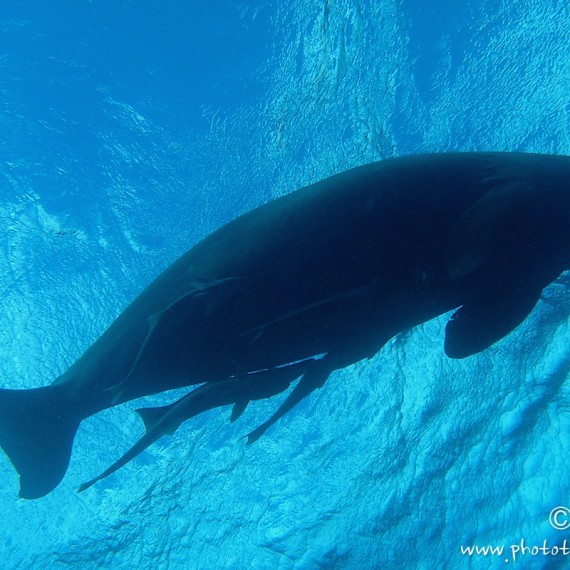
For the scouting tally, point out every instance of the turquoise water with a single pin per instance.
(129, 131)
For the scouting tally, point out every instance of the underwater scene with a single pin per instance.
(284, 284)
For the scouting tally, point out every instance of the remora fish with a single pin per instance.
(307, 284)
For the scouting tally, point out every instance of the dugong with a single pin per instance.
(307, 284)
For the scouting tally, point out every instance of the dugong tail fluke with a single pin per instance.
(37, 428)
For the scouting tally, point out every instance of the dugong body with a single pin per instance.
(309, 283)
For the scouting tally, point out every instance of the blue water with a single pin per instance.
(132, 129)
